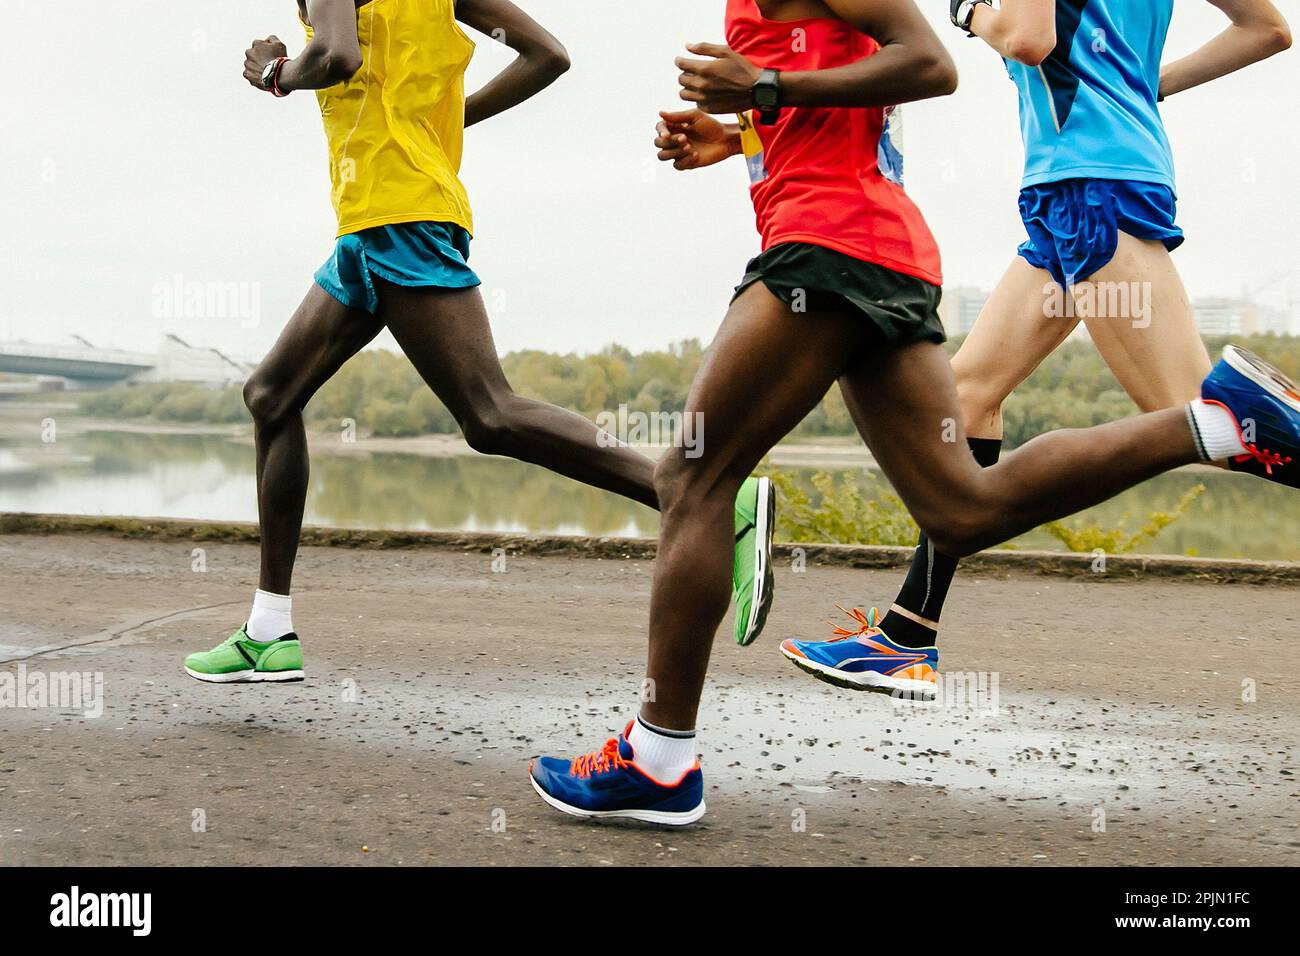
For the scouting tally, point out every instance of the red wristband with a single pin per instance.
(275, 76)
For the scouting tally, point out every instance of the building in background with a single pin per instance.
(1216, 315)
(960, 308)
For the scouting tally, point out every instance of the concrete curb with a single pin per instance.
(1202, 570)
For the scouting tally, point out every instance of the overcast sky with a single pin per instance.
(132, 152)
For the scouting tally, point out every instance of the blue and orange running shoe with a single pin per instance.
(866, 659)
(1266, 404)
(608, 783)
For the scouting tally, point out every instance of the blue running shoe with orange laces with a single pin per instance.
(608, 783)
(866, 659)
(1266, 405)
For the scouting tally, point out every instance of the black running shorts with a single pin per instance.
(808, 278)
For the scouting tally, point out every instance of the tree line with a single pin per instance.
(382, 393)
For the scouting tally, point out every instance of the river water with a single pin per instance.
(210, 476)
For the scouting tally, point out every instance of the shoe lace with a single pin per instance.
(866, 623)
(1267, 458)
(599, 761)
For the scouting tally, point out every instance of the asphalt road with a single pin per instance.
(1133, 722)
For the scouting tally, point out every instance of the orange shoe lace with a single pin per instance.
(1265, 457)
(866, 622)
(598, 762)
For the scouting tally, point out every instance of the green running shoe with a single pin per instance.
(239, 660)
(752, 581)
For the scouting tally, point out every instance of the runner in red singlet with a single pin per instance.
(828, 177)
(846, 289)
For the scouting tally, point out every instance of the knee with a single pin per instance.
(263, 402)
(691, 484)
(959, 526)
(672, 480)
(955, 536)
(980, 405)
(489, 428)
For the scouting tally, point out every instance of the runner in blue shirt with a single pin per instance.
(1098, 203)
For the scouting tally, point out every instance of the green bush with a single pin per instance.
(866, 511)
(1117, 540)
(839, 512)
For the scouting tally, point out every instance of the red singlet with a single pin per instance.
(828, 176)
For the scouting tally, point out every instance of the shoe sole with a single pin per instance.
(764, 579)
(1263, 374)
(661, 817)
(249, 677)
(868, 680)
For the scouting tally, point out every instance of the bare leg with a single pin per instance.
(1015, 331)
(796, 358)
(909, 402)
(1157, 356)
(321, 336)
(1155, 352)
(445, 334)
(1011, 337)
(905, 401)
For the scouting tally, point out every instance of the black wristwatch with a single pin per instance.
(963, 11)
(767, 96)
(271, 76)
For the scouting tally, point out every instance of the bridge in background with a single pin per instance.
(78, 363)
(85, 364)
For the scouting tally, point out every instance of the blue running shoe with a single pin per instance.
(866, 659)
(1266, 405)
(608, 783)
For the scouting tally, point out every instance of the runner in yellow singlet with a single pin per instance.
(389, 75)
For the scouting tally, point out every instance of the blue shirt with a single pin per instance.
(1089, 111)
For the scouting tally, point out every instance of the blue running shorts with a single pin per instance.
(413, 254)
(1074, 224)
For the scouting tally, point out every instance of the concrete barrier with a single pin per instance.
(996, 561)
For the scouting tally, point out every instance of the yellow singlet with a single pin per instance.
(395, 130)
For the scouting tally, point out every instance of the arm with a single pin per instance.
(1257, 32)
(693, 139)
(542, 58)
(912, 64)
(1021, 30)
(332, 57)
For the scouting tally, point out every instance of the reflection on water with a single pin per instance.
(210, 476)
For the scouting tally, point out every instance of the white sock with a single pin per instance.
(663, 754)
(271, 617)
(1217, 434)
